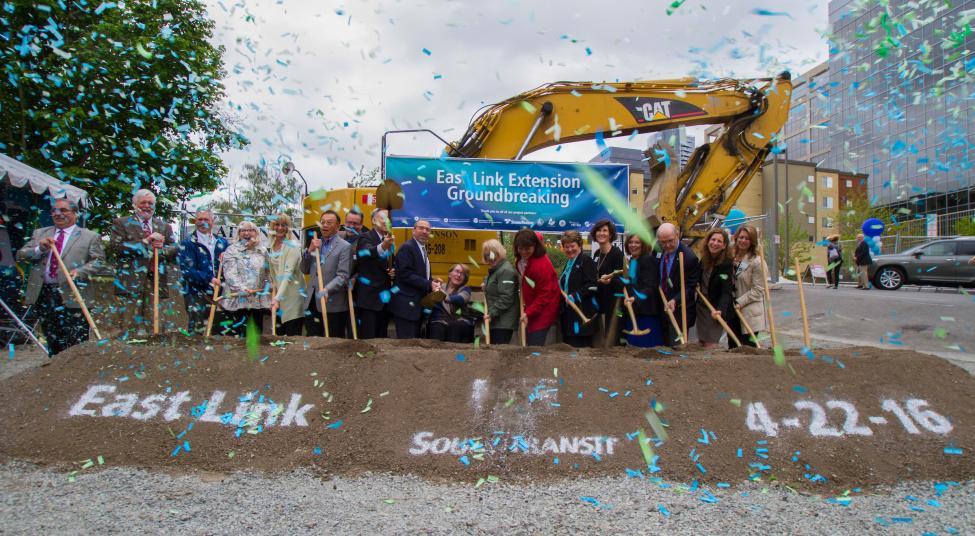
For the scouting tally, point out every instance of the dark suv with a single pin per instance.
(942, 263)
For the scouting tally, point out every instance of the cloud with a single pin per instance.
(319, 82)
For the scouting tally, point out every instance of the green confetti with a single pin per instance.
(142, 51)
(617, 205)
(645, 447)
(253, 340)
(673, 6)
(940, 333)
(779, 355)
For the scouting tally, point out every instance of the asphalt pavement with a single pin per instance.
(934, 321)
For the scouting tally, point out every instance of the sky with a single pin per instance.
(318, 83)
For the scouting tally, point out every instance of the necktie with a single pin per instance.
(52, 268)
(665, 277)
(426, 262)
(146, 228)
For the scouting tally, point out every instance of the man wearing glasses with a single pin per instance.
(47, 286)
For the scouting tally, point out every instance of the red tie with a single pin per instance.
(52, 268)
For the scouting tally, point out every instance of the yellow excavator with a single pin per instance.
(715, 175)
(564, 112)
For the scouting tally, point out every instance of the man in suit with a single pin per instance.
(372, 275)
(47, 288)
(671, 246)
(199, 262)
(335, 259)
(132, 242)
(413, 282)
(354, 228)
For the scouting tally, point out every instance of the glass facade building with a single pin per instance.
(898, 98)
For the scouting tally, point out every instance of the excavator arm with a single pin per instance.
(717, 172)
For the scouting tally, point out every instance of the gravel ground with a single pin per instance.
(122, 500)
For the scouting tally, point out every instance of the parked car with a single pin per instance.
(941, 263)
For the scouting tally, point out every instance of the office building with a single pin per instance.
(899, 102)
(639, 171)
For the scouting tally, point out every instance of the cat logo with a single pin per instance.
(655, 111)
(650, 109)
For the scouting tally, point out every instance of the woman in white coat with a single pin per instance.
(284, 257)
(749, 286)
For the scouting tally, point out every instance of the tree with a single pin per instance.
(112, 97)
(365, 179)
(849, 219)
(799, 245)
(259, 192)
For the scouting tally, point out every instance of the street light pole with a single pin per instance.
(288, 168)
(787, 223)
(773, 220)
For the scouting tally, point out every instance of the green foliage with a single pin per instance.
(261, 191)
(849, 219)
(799, 246)
(965, 227)
(113, 97)
(365, 178)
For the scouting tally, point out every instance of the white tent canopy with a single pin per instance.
(20, 175)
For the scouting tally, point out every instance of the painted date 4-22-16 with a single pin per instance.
(913, 415)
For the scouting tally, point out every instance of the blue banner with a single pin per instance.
(502, 195)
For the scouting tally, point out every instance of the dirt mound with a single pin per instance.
(839, 419)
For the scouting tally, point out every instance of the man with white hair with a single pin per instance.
(132, 241)
(670, 281)
(199, 263)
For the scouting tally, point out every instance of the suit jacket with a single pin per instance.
(195, 268)
(644, 279)
(411, 281)
(369, 267)
(750, 292)
(582, 289)
(720, 288)
(692, 276)
(133, 256)
(501, 293)
(542, 297)
(83, 252)
(288, 280)
(335, 267)
(607, 294)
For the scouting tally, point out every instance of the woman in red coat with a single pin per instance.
(539, 286)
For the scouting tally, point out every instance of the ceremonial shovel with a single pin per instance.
(155, 291)
(629, 307)
(74, 290)
(572, 304)
(213, 306)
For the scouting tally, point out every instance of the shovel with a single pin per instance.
(629, 307)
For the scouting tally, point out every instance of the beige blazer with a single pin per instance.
(288, 280)
(750, 293)
(82, 252)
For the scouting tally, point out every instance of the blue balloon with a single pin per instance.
(734, 220)
(872, 227)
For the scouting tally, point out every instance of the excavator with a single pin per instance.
(564, 112)
(716, 173)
